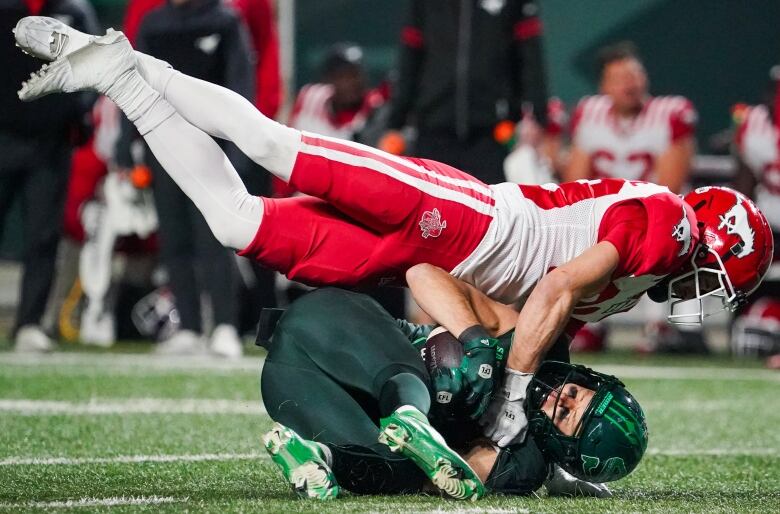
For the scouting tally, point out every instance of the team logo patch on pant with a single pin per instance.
(431, 224)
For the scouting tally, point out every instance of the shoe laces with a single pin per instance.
(311, 476)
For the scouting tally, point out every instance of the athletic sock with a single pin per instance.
(404, 389)
(141, 104)
(225, 114)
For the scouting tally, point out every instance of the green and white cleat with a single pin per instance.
(301, 462)
(408, 432)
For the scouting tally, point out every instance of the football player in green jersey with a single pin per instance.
(351, 398)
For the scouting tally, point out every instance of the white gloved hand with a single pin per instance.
(505, 421)
(561, 483)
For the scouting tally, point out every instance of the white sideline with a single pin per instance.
(95, 502)
(111, 406)
(716, 452)
(149, 364)
(128, 459)
(120, 406)
(206, 457)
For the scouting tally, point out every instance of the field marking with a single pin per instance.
(114, 501)
(130, 459)
(716, 452)
(150, 363)
(688, 373)
(111, 406)
(221, 457)
(132, 362)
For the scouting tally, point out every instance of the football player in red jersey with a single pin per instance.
(568, 254)
(627, 133)
(756, 147)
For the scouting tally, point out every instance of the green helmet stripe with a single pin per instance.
(625, 409)
(634, 431)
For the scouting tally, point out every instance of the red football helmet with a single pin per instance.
(733, 256)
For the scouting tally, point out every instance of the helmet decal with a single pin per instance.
(682, 234)
(590, 464)
(736, 222)
(615, 465)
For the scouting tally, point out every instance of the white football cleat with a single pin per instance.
(226, 343)
(95, 67)
(183, 342)
(31, 339)
(48, 38)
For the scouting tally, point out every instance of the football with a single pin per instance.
(441, 350)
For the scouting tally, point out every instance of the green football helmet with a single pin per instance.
(611, 436)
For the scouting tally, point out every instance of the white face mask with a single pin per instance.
(692, 288)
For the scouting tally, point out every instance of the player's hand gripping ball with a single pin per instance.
(442, 354)
(480, 367)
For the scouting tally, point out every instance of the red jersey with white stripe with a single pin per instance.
(758, 144)
(538, 228)
(628, 147)
(312, 112)
(371, 216)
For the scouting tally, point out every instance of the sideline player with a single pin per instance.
(334, 402)
(624, 132)
(570, 254)
(757, 152)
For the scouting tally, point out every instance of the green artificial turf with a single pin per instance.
(174, 437)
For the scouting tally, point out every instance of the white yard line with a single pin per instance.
(716, 452)
(112, 406)
(131, 361)
(150, 364)
(95, 502)
(688, 373)
(219, 457)
(129, 459)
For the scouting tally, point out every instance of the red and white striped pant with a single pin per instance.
(369, 216)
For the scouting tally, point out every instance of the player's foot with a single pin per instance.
(408, 432)
(96, 67)
(226, 343)
(183, 342)
(31, 339)
(301, 462)
(48, 38)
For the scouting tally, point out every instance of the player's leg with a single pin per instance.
(190, 156)
(383, 366)
(304, 398)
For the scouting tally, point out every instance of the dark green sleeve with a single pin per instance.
(417, 334)
(520, 469)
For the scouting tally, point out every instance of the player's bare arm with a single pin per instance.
(673, 166)
(578, 165)
(456, 305)
(549, 306)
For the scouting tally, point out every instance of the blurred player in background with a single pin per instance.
(210, 41)
(464, 68)
(341, 105)
(36, 143)
(564, 254)
(624, 132)
(756, 328)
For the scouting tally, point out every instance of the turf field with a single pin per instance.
(125, 431)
